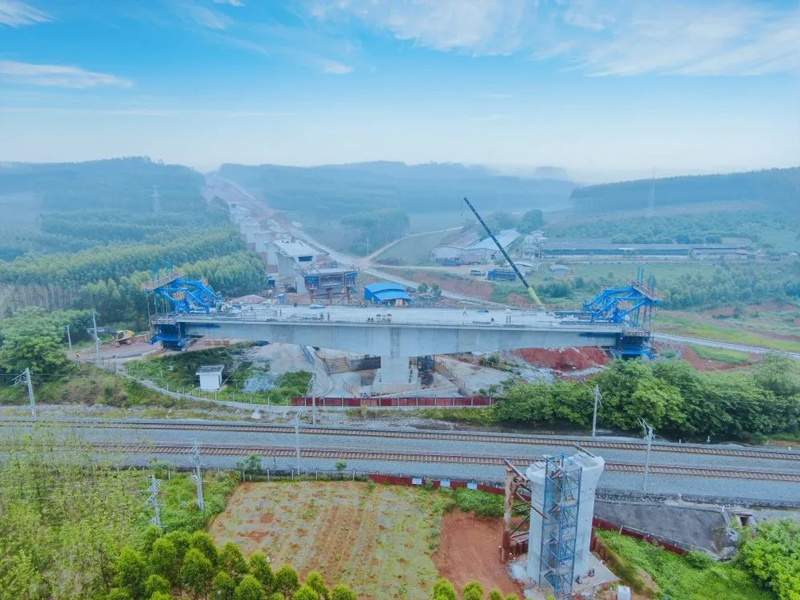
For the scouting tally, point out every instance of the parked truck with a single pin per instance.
(501, 275)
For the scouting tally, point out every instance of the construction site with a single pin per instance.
(366, 337)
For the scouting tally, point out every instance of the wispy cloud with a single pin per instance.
(57, 76)
(599, 38)
(18, 14)
(336, 68)
(205, 17)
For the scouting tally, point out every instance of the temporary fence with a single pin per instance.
(394, 402)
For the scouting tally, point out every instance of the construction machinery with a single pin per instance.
(524, 281)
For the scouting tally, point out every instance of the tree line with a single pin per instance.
(779, 188)
(670, 395)
(176, 565)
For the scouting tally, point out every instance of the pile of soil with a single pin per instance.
(469, 550)
(565, 360)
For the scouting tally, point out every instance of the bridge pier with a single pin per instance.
(395, 371)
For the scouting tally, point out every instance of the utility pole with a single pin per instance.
(297, 439)
(198, 476)
(648, 437)
(598, 401)
(96, 339)
(156, 200)
(153, 499)
(69, 339)
(26, 377)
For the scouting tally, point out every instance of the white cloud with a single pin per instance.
(336, 68)
(475, 26)
(231, 2)
(205, 16)
(57, 76)
(18, 14)
(626, 37)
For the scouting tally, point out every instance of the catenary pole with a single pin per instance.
(598, 400)
(198, 476)
(648, 437)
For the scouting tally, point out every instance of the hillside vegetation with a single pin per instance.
(776, 188)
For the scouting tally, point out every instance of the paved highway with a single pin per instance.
(719, 471)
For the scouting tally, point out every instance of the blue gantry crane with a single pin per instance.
(178, 294)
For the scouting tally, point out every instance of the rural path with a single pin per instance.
(390, 245)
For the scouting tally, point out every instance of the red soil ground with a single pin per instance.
(565, 359)
(468, 549)
(701, 364)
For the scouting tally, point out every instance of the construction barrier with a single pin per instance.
(405, 402)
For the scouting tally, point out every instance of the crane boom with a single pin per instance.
(524, 281)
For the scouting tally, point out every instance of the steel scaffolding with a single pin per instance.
(562, 491)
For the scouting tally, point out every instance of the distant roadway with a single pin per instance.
(366, 265)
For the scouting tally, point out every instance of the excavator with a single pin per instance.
(528, 286)
(119, 337)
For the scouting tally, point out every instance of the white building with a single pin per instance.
(210, 377)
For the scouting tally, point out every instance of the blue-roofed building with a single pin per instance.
(387, 294)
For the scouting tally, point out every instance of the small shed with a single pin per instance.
(210, 377)
(387, 294)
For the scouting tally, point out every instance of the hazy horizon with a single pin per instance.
(606, 91)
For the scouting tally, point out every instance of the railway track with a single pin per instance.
(492, 438)
(466, 459)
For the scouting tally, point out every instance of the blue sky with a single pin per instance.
(600, 87)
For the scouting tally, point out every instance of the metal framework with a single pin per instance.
(632, 304)
(517, 502)
(560, 524)
(183, 295)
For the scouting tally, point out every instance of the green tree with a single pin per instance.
(249, 589)
(341, 592)
(341, 466)
(315, 581)
(262, 570)
(277, 596)
(472, 591)
(164, 560)
(444, 590)
(436, 290)
(132, 573)
(151, 534)
(232, 561)
(305, 592)
(422, 288)
(223, 587)
(203, 542)
(181, 541)
(161, 596)
(287, 580)
(530, 221)
(773, 557)
(197, 573)
(496, 595)
(156, 583)
(32, 340)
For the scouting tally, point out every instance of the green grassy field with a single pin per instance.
(675, 576)
(729, 357)
(414, 250)
(747, 332)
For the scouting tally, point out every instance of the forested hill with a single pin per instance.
(354, 188)
(123, 183)
(777, 188)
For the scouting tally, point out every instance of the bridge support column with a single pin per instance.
(396, 374)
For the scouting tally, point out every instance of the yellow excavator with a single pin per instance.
(524, 281)
(123, 336)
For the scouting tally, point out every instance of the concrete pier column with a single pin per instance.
(394, 369)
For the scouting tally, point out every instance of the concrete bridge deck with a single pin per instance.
(400, 332)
